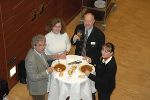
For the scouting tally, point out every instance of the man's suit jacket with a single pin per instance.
(105, 76)
(94, 43)
(37, 78)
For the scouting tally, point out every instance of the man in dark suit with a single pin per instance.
(37, 68)
(105, 73)
(95, 39)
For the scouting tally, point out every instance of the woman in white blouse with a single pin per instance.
(57, 41)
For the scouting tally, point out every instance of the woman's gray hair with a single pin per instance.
(36, 39)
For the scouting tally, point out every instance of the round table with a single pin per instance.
(76, 85)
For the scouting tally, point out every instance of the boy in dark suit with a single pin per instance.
(105, 73)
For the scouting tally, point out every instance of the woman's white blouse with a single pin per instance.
(57, 43)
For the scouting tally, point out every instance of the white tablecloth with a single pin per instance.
(77, 88)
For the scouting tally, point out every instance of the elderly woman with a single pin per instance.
(57, 41)
(37, 68)
(105, 72)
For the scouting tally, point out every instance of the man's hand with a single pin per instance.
(50, 69)
(76, 37)
(88, 59)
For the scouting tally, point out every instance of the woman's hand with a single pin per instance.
(62, 56)
(87, 73)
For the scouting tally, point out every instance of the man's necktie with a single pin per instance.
(84, 44)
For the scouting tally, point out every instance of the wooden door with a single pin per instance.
(20, 21)
(17, 20)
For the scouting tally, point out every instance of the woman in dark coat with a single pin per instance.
(105, 73)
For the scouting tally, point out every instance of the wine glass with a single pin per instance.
(70, 71)
(79, 33)
(58, 61)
